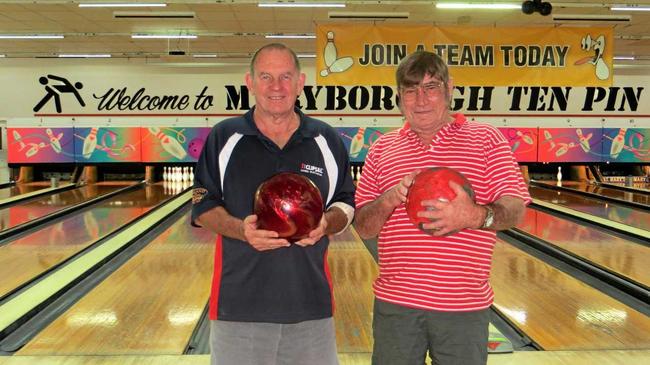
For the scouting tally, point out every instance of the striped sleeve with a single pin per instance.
(368, 187)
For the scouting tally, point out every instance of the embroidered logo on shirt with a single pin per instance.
(198, 194)
(315, 170)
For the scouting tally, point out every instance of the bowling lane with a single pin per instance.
(15, 215)
(33, 254)
(20, 189)
(617, 213)
(150, 305)
(611, 252)
(560, 312)
(353, 271)
(624, 195)
(153, 302)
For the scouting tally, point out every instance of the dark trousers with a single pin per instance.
(404, 335)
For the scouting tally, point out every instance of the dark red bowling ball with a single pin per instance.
(289, 204)
(433, 183)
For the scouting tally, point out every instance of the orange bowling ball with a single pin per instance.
(433, 183)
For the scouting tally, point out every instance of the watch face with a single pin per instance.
(489, 218)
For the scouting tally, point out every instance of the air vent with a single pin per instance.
(153, 14)
(367, 15)
(591, 18)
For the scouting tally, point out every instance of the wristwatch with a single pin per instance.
(489, 217)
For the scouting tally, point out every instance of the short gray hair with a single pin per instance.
(277, 47)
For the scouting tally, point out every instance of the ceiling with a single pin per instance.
(234, 28)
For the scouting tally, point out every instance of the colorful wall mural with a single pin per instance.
(184, 144)
(40, 145)
(172, 144)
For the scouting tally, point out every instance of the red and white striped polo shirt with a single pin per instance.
(439, 273)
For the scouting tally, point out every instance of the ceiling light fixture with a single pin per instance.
(2, 56)
(290, 36)
(486, 6)
(301, 5)
(31, 36)
(65, 55)
(624, 58)
(367, 15)
(306, 55)
(154, 14)
(163, 36)
(204, 56)
(121, 5)
(591, 18)
(630, 8)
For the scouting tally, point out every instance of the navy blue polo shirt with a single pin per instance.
(285, 285)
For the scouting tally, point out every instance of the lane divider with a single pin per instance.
(34, 193)
(593, 218)
(21, 305)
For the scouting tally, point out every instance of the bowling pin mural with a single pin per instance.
(33, 147)
(54, 140)
(356, 145)
(528, 139)
(549, 138)
(90, 143)
(584, 141)
(618, 143)
(171, 145)
(334, 64)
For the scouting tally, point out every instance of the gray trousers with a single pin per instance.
(254, 343)
(404, 335)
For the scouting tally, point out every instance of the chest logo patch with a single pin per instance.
(310, 169)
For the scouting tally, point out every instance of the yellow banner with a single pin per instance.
(369, 55)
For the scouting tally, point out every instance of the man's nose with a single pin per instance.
(276, 84)
(420, 96)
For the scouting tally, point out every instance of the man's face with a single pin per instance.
(276, 83)
(426, 105)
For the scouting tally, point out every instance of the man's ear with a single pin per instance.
(249, 82)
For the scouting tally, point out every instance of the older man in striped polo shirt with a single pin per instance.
(433, 290)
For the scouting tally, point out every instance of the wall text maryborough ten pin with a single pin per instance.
(466, 98)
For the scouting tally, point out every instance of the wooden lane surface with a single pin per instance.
(640, 197)
(617, 254)
(175, 271)
(617, 213)
(559, 312)
(353, 272)
(22, 213)
(19, 189)
(612, 357)
(35, 253)
(150, 305)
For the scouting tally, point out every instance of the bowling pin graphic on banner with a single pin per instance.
(618, 143)
(54, 141)
(90, 143)
(584, 141)
(334, 64)
(171, 145)
(356, 145)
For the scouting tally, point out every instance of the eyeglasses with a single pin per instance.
(429, 89)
